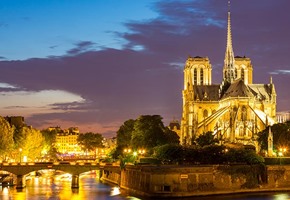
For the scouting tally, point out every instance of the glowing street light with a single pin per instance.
(142, 151)
(282, 151)
(127, 150)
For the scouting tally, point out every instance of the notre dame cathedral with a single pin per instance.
(235, 110)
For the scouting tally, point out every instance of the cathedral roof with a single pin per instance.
(206, 92)
(261, 91)
(238, 89)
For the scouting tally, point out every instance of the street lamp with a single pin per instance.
(20, 150)
(127, 150)
(142, 152)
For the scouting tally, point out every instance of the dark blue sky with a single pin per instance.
(95, 64)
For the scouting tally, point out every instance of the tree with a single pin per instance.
(90, 141)
(49, 142)
(30, 141)
(146, 132)
(206, 139)
(281, 136)
(124, 135)
(150, 132)
(6, 138)
(169, 153)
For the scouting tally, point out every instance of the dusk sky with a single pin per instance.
(97, 63)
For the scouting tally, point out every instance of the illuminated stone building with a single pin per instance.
(234, 110)
(66, 140)
(283, 117)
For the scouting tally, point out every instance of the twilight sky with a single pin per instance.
(96, 63)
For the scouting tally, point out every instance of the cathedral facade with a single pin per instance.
(235, 110)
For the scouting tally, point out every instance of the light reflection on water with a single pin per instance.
(54, 188)
(59, 188)
(246, 196)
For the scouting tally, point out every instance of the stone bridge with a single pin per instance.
(73, 168)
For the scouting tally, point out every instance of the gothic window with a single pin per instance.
(205, 113)
(243, 74)
(241, 131)
(201, 76)
(195, 76)
(236, 72)
(244, 113)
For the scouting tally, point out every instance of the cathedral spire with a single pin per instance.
(229, 67)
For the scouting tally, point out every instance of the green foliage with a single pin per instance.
(146, 132)
(29, 140)
(211, 154)
(90, 141)
(281, 136)
(6, 139)
(124, 135)
(243, 156)
(206, 139)
(169, 153)
(49, 142)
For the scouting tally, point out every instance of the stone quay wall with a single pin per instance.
(183, 181)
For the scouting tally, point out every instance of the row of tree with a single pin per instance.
(209, 154)
(24, 140)
(17, 141)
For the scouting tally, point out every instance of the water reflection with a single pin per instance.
(59, 187)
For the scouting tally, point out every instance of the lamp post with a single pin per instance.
(282, 152)
(127, 150)
(142, 152)
(20, 150)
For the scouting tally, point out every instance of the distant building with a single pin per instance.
(66, 140)
(283, 116)
(235, 110)
(174, 125)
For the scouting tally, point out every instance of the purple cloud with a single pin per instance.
(122, 84)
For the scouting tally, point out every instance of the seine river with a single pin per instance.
(59, 188)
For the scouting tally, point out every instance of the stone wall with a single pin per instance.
(177, 181)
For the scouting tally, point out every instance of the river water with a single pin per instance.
(59, 188)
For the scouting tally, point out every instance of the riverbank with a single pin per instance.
(190, 181)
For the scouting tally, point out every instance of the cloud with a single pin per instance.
(6, 85)
(119, 84)
(81, 47)
(280, 71)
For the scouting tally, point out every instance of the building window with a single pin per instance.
(195, 76)
(244, 113)
(201, 76)
(241, 131)
(243, 74)
(236, 73)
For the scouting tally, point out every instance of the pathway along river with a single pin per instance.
(59, 188)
